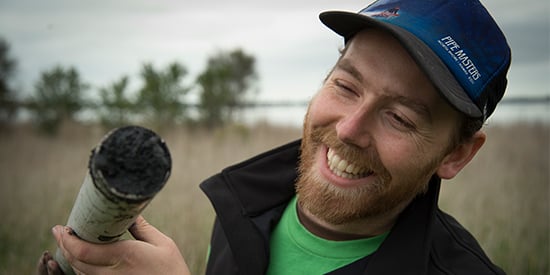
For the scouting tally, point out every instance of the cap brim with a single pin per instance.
(347, 24)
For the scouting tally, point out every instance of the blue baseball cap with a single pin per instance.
(456, 43)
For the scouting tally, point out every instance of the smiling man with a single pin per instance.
(374, 135)
(401, 110)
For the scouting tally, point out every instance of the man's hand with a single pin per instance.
(47, 265)
(151, 253)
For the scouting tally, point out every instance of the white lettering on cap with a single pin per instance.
(461, 58)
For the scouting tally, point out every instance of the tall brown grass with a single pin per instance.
(502, 197)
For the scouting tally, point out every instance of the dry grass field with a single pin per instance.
(502, 197)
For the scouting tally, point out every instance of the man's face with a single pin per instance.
(374, 134)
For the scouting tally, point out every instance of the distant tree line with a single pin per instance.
(163, 98)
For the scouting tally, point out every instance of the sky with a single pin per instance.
(105, 40)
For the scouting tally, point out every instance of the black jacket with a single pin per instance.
(249, 199)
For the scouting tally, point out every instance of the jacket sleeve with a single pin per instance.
(220, 259)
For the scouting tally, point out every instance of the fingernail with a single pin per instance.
(68, 230)
(51, 265)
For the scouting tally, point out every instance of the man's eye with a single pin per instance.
(342, 85)
(401, 122)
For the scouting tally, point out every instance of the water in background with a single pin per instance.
(506, 113)
(512, 113)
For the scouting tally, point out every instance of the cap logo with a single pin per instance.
(389, 13)
(461, 58)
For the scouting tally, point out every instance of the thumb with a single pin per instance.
(144, 231)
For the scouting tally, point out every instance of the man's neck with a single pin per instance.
(365, 228)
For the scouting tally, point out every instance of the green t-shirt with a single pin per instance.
(294, 250)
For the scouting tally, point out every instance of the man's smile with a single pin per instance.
(345, 168)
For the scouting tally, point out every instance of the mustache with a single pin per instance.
(365, 157)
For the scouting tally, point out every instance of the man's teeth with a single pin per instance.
(344, 168)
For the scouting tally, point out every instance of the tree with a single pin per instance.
(224, 85)
(161, 98)
(59, 95)
(7, 71)
(115, 108)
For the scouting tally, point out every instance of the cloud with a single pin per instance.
(529, 40)
(108, 39)
(527, 28)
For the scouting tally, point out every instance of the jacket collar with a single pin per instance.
(249, 199)
(246, 194)
(409, 241)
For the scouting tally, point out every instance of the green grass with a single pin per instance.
(502, 197)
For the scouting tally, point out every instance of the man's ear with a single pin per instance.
(460, 156)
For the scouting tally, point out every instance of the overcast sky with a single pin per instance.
(106, 40)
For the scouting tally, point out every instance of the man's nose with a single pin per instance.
(355, 127)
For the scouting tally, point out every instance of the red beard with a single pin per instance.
(337, 205)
